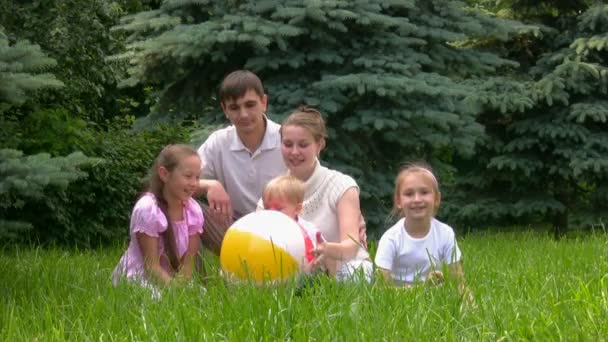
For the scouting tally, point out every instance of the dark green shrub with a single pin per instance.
(29, 178)
(96, 210)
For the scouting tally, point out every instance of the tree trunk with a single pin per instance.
(560, 224)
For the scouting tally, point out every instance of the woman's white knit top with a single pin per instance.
(324, 189)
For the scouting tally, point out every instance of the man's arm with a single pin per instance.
(217, 197)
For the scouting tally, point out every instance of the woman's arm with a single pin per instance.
(194, 242)
(149, 251)
(349, 216)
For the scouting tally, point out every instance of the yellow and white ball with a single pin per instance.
(264, 246)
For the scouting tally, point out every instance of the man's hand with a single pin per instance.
(219, 201)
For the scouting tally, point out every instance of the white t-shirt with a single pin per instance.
(410, 259)
(242, 173)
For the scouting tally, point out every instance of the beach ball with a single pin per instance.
(264, 246)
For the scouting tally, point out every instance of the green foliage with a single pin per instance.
(27, 178)
(390, 73)
(535, 9)
(96, 210)
(31, 178)
(52, 130)
(45, 197)
(20, 71)
(546, 159)
(77, 35)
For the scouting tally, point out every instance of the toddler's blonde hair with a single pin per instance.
(286, 187)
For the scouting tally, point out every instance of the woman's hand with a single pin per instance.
(319, 252)
(321, 259)
(363, 232)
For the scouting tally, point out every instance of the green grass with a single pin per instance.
(526, 286)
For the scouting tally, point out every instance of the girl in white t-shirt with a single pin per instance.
(418, 245)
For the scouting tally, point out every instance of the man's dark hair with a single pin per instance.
(237, 83)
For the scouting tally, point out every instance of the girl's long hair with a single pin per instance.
(169, 158)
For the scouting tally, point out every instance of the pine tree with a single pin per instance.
(76, 34)
(24, 178)
(549, 159)
(391, 76)
(20, 66)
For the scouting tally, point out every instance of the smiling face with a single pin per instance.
(417, 197)
(181, 182)
(246, 113)
(300, 150)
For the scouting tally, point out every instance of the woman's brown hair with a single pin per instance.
(309, 119)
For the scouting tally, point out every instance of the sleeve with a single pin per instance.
(195, 217)
(385, 254)
(451, 252)
(207, 152)
(147, 217)
(339, 185)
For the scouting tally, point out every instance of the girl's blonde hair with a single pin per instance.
(169, 158)
(285, 187)
(409, 168)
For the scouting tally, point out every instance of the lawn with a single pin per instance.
(526, 286)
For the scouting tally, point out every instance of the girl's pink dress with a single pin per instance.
(148, 218)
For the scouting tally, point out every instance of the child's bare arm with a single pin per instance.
(149, 252)
(457, 272)
(189, 257)
(385, 274)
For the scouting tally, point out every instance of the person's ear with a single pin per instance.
(321, 146)
(396, 200)
(265, 102)
(437, 200)
(223, 106)
(163, 173)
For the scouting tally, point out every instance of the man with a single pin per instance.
(240, 159)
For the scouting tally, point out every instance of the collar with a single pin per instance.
(270, 140)
(316, 179)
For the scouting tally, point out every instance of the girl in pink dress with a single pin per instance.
(166, 222)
